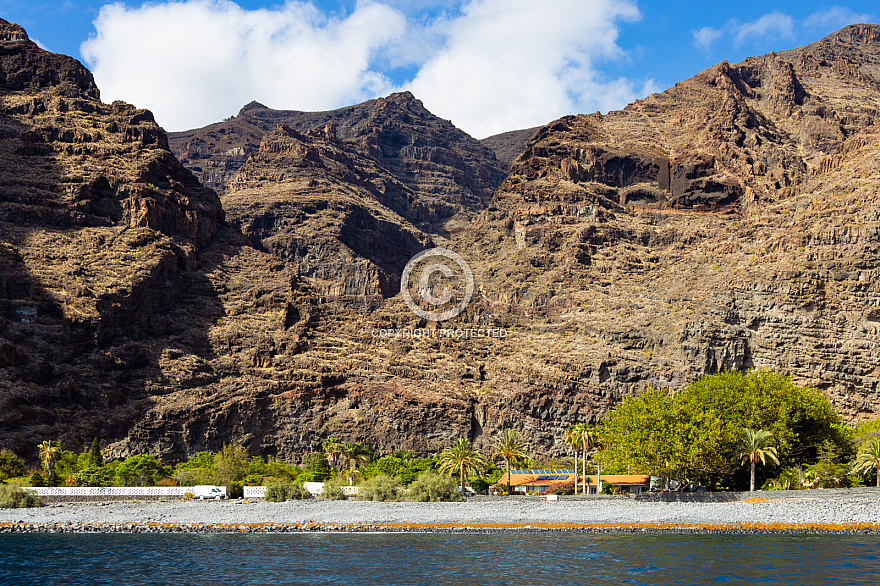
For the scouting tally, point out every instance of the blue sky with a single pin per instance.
(488, 65)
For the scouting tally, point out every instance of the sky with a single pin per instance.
(489, 66)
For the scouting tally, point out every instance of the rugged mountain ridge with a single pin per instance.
(729, 222)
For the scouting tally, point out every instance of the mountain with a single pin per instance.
(728, 222)
(347, 196)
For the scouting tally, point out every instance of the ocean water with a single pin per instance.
(382, 559)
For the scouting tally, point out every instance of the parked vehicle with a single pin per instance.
(207, 491)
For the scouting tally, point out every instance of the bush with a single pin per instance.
(480, 485)
(280, 491)
(562, 488)
(431, 487)
(188, 496)
(235, 490)
(382, 487)
(12, 496)
(36, 479)
(11, 464)
(333, 489)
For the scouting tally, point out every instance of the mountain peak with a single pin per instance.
(11, 32)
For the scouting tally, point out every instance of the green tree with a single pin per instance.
(11, 464)
(95, 457)
(315, 468)
(231, 463)
(140, 470)
(355, 455)
(755, 446)
(868, 459)
(333, 449)
(49, 451)
(508, 445)
(696, 432)
(463, 458)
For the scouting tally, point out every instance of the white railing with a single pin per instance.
(315, 488)
(254, 492)
(111, 490)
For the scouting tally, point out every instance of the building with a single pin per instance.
(628, 483)
(534, 481)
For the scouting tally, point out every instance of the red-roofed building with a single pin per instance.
(534, 481)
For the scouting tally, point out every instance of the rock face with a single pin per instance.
(347, 196)
(729, 222)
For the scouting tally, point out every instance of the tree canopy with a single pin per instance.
(695, 432)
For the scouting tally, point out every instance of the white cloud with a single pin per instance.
(488, 65)
(773, 25)
(835, 18)
(197, 61)
(511, 64)
(704, 38)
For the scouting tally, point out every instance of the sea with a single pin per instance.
(520, 559)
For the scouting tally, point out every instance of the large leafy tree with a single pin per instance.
(754, 446)
(508, 445)
(49, 452)
(462, 457)
(696, 432)
(868, 459)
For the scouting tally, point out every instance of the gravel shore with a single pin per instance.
(808, 513)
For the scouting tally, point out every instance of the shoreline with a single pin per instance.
(446, 528)
(805, 514)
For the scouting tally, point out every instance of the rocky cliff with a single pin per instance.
(729, 222)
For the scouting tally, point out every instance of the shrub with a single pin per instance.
(562, 488)
(382, 487)
(333, 489)
(11, 464)
(235, 490)
(12, 496)
(280, 491)
(188, 496)
(431, 487)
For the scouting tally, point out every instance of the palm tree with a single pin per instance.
(355, 454)
(508, 446)
(332, 449)
(573, 438)
(49, 451)
(753, 446)
(591, 441)
(869, 459)
(587, 441)
(462, 457)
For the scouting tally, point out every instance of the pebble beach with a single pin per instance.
(812, 512)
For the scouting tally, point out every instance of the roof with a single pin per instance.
(620, 479)
(538, 477)
(551, 477)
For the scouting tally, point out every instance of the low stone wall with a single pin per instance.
(719, 497)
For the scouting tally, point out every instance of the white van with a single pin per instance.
(207, 491)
